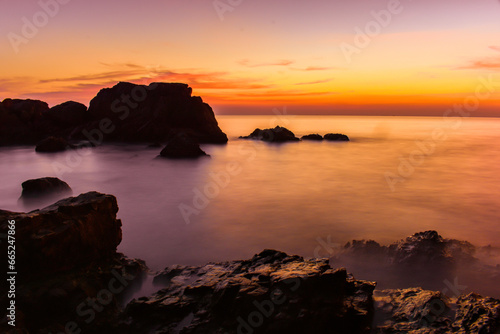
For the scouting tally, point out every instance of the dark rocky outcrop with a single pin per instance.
(139, 113)
(270, 293)
(72, 232)
(69, 274)
(336, 137)
(312, 137)
(126, 112)
(276, 135)
(46, 186)
(68, 114)
(182, 147)
(52, 145)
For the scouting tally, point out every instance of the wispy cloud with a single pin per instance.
(283, 62)
(491, 64)
(314, 68)
(314, 82)
(494, 47)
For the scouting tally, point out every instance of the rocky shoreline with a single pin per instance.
(72, 280)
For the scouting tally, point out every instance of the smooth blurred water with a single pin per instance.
(288, 196)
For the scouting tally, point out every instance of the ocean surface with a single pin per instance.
(397, 176)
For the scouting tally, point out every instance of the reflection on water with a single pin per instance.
(254, 195)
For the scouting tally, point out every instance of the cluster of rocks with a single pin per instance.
(71, 279)
(280, 135)
(124, 113)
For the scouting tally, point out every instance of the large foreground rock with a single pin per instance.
(276, 135)
(70, 279)
(270, 293)
(139, 113)
(68, 234)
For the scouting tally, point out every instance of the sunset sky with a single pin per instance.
(250, 56)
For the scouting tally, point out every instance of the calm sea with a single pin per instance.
(397, 176)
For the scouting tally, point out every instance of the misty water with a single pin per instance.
(397, 176)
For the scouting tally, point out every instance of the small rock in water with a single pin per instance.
(336, 137)
(45, 186)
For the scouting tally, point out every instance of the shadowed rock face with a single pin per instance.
(52, 145)
(336, 137)
(277, 135)
(181, 147)
(67, 262)
(153, 113)
(70, 233)
(312, 137)
(270, 293)
(68, 114)
(46, 186)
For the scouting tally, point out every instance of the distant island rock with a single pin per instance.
(336, 137)
(312, 137)
(124, 113)
(275, 135)
(46, 186)
(182, 147)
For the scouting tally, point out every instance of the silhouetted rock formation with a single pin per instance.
(139, 113)
(181, 147)
(270, 293)
(69, 273)
(336, 137)
(52, 145)
(416, 310)
(68, 114)
(277, 135)
(126, 112)
(46, 186)
(312, 137)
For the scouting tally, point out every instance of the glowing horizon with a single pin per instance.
(252, 56)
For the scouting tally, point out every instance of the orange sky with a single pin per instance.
(421, 57)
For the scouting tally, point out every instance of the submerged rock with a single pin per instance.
(181, 147)
(276, 135)
(46, 186)
(336, 137)
(270, 293)
(312, 137)
(52, 145)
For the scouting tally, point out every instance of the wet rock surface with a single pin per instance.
(270, 293)
(415, 310)
(52, 145)
(275, 135)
